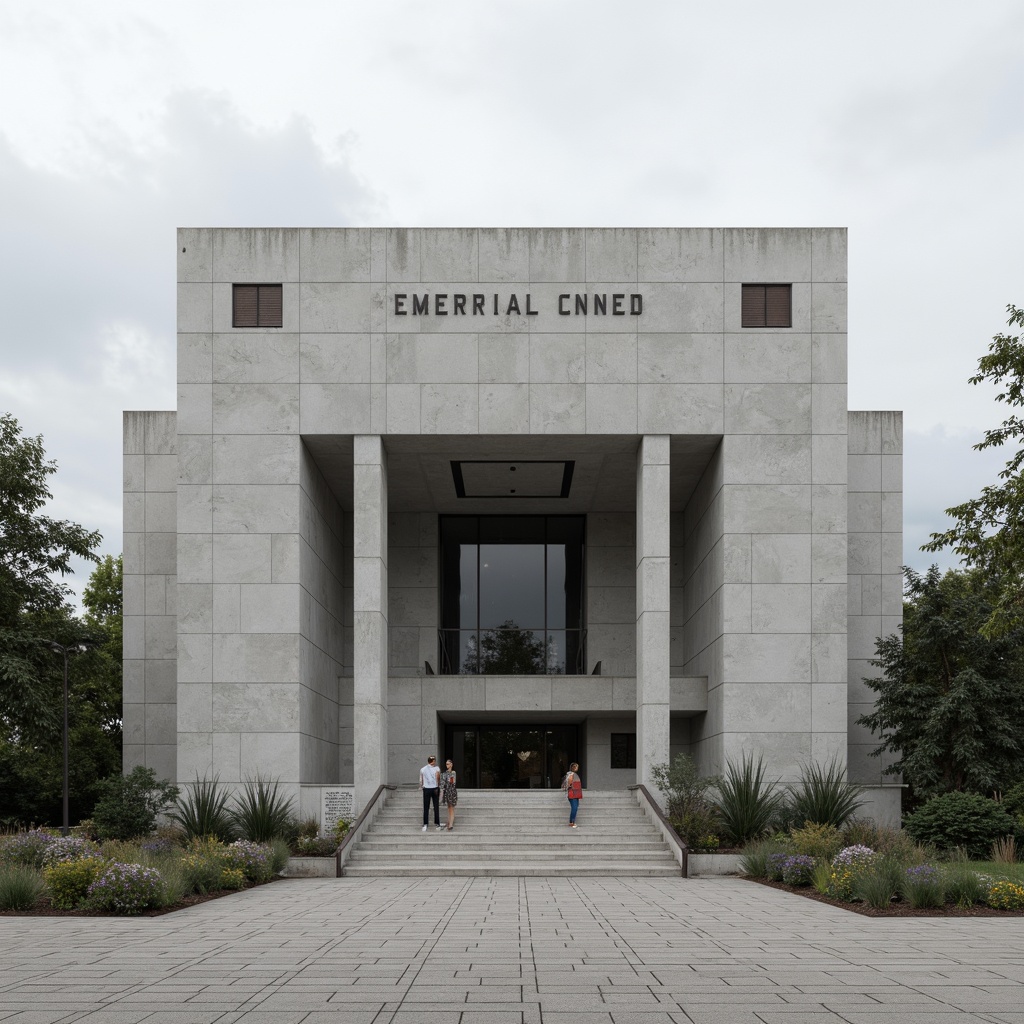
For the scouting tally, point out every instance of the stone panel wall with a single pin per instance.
(875, 588)
(150, 592)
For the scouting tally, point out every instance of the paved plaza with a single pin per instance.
(512, 951)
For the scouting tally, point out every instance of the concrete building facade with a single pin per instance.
(515, 496)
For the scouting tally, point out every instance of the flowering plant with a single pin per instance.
(797, 869)
(853, 857)
(25, 847)
(126, 889)
(252, 859)
(65, 848)
(1005, 895)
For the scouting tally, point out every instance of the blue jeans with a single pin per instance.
(574, 806)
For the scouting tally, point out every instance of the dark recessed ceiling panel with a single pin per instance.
(520, 479)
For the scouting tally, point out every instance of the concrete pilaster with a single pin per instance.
(370, 608)
(652, 604)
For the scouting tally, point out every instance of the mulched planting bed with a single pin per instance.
(43, 908)
(893, 910)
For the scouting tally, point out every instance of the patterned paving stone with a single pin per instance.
(512, 951)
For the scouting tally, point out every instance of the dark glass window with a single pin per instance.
(256, 305)
(623, 749)
(767, 305)
(512, 595)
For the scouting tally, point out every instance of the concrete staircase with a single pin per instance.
(514, 832)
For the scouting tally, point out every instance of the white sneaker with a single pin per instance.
(424, 829)
(438, 827)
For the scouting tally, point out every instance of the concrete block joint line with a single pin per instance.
(528, 950)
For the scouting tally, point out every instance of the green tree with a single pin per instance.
(988, 531)
(31, 765)
(35, 555)
(950, 700)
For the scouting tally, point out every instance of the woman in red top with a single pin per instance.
(574, 791)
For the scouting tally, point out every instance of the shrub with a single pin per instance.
(960, 820)
(884, 839)
(797, 869)
(126, 889)
(923, 886)
(694, 826)
(815, 840)
(690, 810)
(65, 848)
(279, 855)
(340, 830)
(747, 802)
(68, 881)
(232, 878)
(254, 860)
(840, 882)
(261, 811)
(877, 882)
(204, 863)
(961, 884)
(317, 846)
(754, 859)
(25, 848)
(203, 811)
(129, 804)
(1013, 801)
(20, 887)
(1005, 895)
(307, 828)
(824, 796)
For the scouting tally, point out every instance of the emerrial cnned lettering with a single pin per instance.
(494, 304)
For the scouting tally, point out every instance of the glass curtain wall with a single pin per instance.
(512, 595)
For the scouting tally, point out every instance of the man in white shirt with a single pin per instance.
(430, 781)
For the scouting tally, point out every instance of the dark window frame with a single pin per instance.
(265, 308)
(766, 305)
(623, 749)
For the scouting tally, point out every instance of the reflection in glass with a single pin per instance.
(512, 595)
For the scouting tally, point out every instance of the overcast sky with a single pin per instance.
(120, 121)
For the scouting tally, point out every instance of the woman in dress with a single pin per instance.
(449, 792)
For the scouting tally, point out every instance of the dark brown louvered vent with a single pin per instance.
(767, 305)
(257, 305)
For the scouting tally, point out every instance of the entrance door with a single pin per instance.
(511, 756)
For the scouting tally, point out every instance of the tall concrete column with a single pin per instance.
(370, 608)
(652, 605)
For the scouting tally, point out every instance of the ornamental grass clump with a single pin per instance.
(878, 882)
(1005, 895)
(962, 885)
(797, 869)
(923, 886)
(20, 887)
(126, 889)
(68, 882)
(25, 848)
(754, 859)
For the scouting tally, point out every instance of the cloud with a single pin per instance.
(89, 270)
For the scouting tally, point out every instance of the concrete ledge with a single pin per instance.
(714, 864)
(310, 867)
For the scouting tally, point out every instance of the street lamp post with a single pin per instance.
(65, 649)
